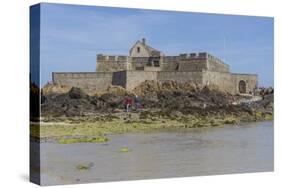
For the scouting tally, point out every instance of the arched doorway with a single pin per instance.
(242, 86)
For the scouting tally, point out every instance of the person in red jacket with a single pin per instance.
(128, 103)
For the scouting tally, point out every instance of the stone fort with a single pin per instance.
(146, 63)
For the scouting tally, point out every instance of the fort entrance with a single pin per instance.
(242, 86)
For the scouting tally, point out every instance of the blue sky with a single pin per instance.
(72, 35)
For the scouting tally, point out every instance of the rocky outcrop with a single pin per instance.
(171, 98)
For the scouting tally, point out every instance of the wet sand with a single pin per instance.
(163, 154)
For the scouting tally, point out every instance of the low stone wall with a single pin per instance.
(134, 78)
(221, 79)
(96, 81)
(251, 81)
(230, 82)
(131, 79)
(100, 81)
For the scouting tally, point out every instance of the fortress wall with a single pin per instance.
(250, 79)
(170, 63)
(108, 63)
(93, 80)
(194, 76)
(100, 81)
(193, 65)
(173, 66)
(119, 78)
(153, 69)
(134, 78)
(221, 79)
(139, 62)
(193, 62)
(214, 64)
(230, 82)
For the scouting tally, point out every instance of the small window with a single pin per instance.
(138, 49)
(156, 64)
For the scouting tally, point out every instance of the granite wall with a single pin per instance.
(98, 81)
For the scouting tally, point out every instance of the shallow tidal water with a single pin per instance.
(164, 154)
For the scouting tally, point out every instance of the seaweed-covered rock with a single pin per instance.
(169, 97)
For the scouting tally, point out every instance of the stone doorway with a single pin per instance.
(242, 86)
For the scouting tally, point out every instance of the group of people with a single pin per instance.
(129, 102)
(262, 91)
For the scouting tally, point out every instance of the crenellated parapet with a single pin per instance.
(200, 55)
(111, 63)
(201, 61)
(101, 57)
(193, 61)
(215, 64)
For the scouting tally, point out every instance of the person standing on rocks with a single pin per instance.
(137, 102)
(128, 103)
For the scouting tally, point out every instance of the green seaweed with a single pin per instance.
(87, 128)
(258, 116)
(78, 140)
(124, 150)
(231, 120)
(83, 167)
(268, 117)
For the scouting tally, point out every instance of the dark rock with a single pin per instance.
(171, 98)
(77, 93)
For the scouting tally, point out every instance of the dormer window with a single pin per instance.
(138, 49)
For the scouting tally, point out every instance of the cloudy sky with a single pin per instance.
(72, 35)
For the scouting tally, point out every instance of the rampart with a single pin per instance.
(109, 63)
(193, 62)
(131, 79)
(215, 64)
(222, 79)
(98, 81)
(170, 63)
(181, 76)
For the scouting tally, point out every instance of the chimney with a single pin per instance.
(143, 41)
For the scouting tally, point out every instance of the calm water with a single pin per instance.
(232, 149)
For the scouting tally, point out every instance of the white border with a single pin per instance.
(14, 40)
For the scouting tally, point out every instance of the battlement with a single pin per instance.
(110, 63)
(101, 57)
(211, 57)
(198, 55)
(168, 59)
